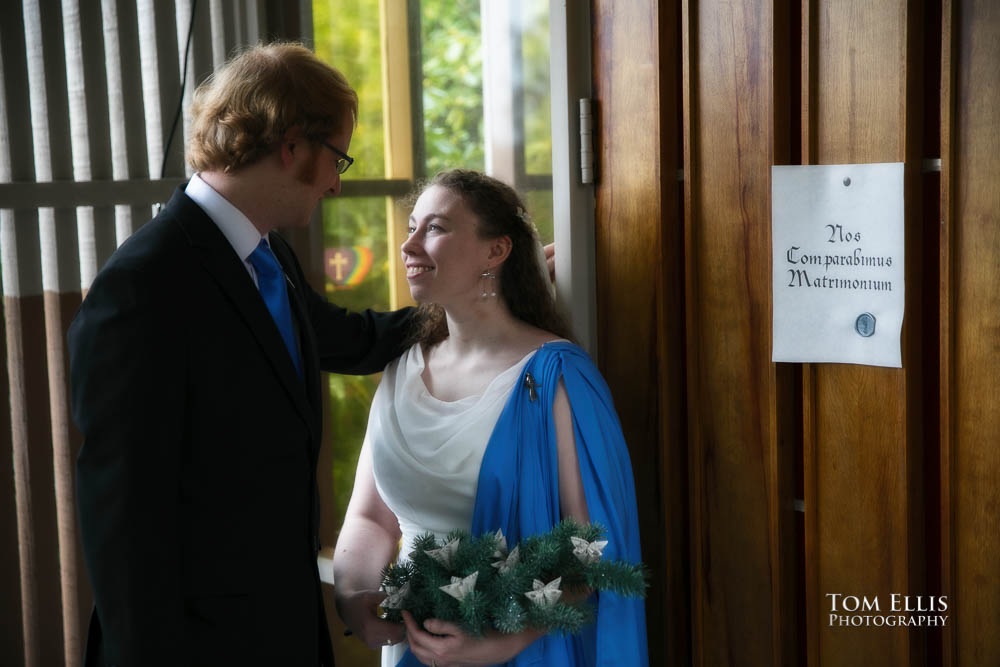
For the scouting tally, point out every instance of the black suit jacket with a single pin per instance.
(196, 483)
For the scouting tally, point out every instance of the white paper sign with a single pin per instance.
(837, 245)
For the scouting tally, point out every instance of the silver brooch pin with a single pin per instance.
(530, 383)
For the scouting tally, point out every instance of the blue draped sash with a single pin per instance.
(518, 492)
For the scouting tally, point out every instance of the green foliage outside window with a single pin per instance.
(537, 89)
(539, 203)
(354, 222)
(347, 35)
(453, 84)
(537, 94)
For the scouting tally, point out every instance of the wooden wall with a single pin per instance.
(970, 330)
(863, 434)
(639, 270)
(766, 487)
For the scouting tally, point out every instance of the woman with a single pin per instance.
(492, 419)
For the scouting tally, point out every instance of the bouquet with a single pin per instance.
(479, 584)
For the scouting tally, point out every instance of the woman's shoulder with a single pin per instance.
(532, 338)
(558, 356)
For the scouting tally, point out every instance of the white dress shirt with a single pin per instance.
(236, 227)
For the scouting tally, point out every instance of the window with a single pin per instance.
(440, 86)
(423, 108)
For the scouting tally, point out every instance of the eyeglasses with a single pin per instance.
(344, 162)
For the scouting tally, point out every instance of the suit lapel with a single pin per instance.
(219, 260)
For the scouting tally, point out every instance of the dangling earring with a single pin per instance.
(488, 281)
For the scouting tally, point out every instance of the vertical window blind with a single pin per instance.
(88, 95)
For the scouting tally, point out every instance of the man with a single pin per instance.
(195, 364)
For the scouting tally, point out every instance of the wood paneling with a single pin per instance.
(970, 341)
(863, 439)
(11, 642)
(38, 544)
(899, 466)
(741, 479)
(639, 288)
(76, 596)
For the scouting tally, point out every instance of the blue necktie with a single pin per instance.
(271, 280)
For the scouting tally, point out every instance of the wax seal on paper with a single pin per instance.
(865, 324)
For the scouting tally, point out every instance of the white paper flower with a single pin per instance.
(460, 587)
(588, 552)
(545, 595)
(445, 553)
(395, 596)
(512, 559)
(501, 551)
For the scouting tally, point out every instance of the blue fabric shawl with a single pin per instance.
(518, 492)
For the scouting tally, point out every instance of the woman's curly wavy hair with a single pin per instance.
(522, 285)
(243, 110)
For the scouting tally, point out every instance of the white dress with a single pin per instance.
(426, 453)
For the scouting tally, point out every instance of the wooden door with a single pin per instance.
(767, 488)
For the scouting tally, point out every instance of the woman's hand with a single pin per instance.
(444, 644)
(359, 612)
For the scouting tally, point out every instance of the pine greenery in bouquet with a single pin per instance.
(480, 585)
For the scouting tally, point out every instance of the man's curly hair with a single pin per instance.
(243, 110)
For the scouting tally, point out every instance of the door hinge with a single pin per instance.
(586, 141)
